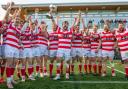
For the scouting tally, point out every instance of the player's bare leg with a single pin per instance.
(90, 65)
(67, 69)
(72, 65)
(38, 61)
(2, 69)
(80, 65)
(23, 68)
(13, 67)
(31, 68)
(41, 66)
(112, 67)
(45, 65)
(126, 68)
(94, 65)
(99, 60)
(58, 69)
(51, 66)
(18, 68)
(85, 64)
(8, 72)
(104, 65)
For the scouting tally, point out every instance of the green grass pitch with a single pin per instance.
(77, 81)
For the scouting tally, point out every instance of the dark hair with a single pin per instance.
(65, 22)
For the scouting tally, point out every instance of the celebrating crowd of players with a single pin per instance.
(30, 43)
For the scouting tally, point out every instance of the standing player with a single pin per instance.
(94, 38)
(53, 45)
(77, 43)
(12, 49)
(64, 48)
(42, 38)
(86, 48)
(27, 51)
(3, 27)
(107, 42)
(122, 41)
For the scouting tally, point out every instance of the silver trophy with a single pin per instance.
(53, 9)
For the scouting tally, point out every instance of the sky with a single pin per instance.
(2, 12)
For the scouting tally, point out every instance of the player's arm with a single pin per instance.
(52, 19)
(83, 23)
(6, 17)
(99, 45)
(78, 18)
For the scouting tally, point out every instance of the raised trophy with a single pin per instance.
(53, 9)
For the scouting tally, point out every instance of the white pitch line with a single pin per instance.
(117, 70)
(95, 82)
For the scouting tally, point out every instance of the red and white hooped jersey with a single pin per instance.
(108, 41)
(53, 41)
(122, 39)
(26, 38)
(13, 36)
(94, 40)
(77, 41)
(86, 42)
(5, 26)
(65, 38)
(41, 39)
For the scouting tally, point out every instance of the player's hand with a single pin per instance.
(96, 51)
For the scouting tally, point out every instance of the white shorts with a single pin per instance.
(0, 50)
(11, 52)
(36, 52)
(52, 53)
(94, 54)
(109, 54)
(20, 53)
(3, 51)
(27, 52)
(64, 53)
(76, 52)
(86, 53)
(1, 55)
(43, 50)
(124, 55)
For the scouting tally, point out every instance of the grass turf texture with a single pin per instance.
(47, 83)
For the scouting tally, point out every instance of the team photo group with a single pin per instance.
(29, 50)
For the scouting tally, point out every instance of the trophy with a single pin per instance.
(36, 13)
(53, 9)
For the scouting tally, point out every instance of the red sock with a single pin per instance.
(95, 68)
(8, 72)
(29, 70)
(18, 74)
(90, 67)
(67, 68)
(105, 72)
(12, 70)
(126, 71)
(41, 70)
(100, 68)
(50, 69)
(37, 68)
(2, 70)
(61, 67)
(113, 71)
(80, 68)
(45, 70)
(23, 71)
(58, 70)
(32, 69)
(85, 68)
(72, 67)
